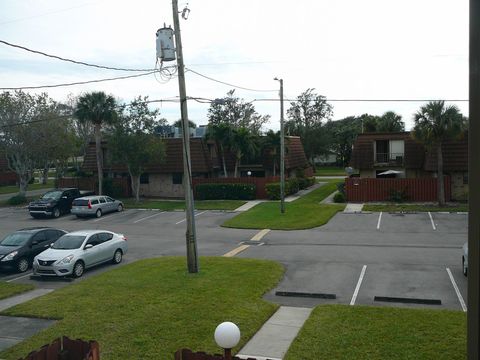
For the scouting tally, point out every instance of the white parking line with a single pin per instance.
(431, 220)
(460, 298)
(119, 214)
(200, 213)
(379, 220)
(148, 217)
(359, 283)
(20, 277)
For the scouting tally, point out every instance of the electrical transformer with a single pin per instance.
(165, 47)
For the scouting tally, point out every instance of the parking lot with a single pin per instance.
(359, 259)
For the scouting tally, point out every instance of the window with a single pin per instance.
(177, 178)
(39, 237)
(95, 202)
(93, 240)
(102, 200)
(52, 235)
(109, 199)
(102, 237)
(145, 178)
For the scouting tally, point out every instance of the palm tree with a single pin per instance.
(271, 143)
(243, 143)
(221, 134)
(97, 108)
(434, 124)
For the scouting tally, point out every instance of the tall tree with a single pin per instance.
(133, 142)
(390, 122)
(305, 117)
(18, 114)
(236, 113)
(244, 143)
(99, 109)
(222, 134)
(342, 135)
(434, 124)
(271, 145)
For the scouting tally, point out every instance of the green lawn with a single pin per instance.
(151, 308)
(379, 333)
(304, 213)
(414, 207)
(13, 189)
(180, 204)
(10, 289)
(330, 171)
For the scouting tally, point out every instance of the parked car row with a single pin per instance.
(55, 252)
(57, 202)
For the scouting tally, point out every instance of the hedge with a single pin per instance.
(305, 182)
(223, 191)
(273, 189)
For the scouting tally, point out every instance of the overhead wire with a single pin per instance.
(71, 60)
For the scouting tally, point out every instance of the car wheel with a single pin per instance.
(465, 269)
(56, 213)
(120, 208)
(98, 213)
(78, 269)
(22, 265)
(117, 257)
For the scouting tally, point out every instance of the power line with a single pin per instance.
(369, 100)
(76, 83)
(225, 83)
(72, 61)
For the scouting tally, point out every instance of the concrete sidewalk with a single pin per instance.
(353, 208)
(248, 205)
(276, 335)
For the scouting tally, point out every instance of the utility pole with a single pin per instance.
(282, 151)
(473, 315)
(191, 236)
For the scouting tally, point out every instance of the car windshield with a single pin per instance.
(69, 242)
(52, 195)
(16, 239)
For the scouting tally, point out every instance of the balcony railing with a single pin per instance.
(389, 158)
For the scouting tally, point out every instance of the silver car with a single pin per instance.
(74, 252)
(95, 206)
(465, 259)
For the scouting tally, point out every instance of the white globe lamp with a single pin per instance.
(227, 336)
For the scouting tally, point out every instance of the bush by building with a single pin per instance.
(225, 191)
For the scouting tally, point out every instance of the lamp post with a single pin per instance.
(227, 336)
(282, 151)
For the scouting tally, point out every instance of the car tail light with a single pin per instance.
(123, 237)
(89, 204)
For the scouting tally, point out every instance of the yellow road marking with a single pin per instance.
(236, 251)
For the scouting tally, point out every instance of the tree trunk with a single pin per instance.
(135, 186)
(45, 174)
(98, 149)
(24, 178)
(274, 166)
(441, 182)
(223, 161)
(237, 162)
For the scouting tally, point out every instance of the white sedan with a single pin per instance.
(74, 252)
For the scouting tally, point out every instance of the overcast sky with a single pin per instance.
(345, 49)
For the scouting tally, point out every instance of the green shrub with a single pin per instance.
(398, 196)
(305, 182)
(17, 200)
(112, 189)
(223, 191)
(273, 189)
(339, 197)
(341, 187)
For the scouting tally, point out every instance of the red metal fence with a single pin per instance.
(186, 354)
(66, 349)
(90, 183)
(8, 178)
(416, 189)
(259, 182)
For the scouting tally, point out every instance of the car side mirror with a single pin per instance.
(88, 246)
(64, 197)
(35, 242)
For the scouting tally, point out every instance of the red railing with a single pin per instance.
(416, 189)
(186, 354)
(259, 182)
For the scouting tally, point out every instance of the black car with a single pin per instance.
(18, 249)
(54, 203)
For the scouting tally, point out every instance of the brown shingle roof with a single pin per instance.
(363, 150)
(455, 156)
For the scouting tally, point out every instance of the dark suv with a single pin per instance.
(54, 203)
(18, 249)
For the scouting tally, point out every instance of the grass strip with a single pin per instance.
(414, 207)
(13, 189)
(151, 308)
(304, 213)
(10, 289)
(180, 205)
(377, 333)
(330, 171)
